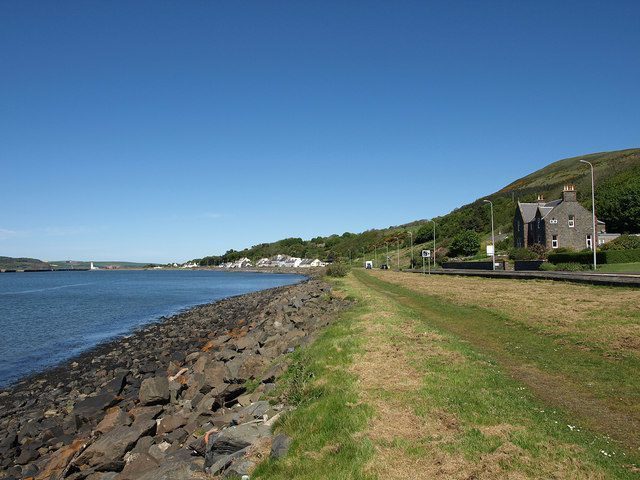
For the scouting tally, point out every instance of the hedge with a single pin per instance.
(609, 256)
(622, 256)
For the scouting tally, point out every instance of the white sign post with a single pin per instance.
(426, 254)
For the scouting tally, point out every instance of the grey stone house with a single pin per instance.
(559, 223)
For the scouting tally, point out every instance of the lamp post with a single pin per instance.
(398, 245)
(411, 237)
(593, 212)
(493, 238)
(434, 243)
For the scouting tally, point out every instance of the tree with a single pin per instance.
(424, 233)
(465, 243)
(618, 203)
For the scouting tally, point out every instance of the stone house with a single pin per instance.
(559, 223)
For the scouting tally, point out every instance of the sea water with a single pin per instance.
(49, 317)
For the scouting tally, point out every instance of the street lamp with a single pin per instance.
(593, 212)
(411, 237)
(493, 238)
(398, 245)
(434, 244)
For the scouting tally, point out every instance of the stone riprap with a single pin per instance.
(171, 400)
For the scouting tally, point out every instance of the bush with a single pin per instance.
(623, 242)
(571, 267)
(539, 250)
(337, 270)
(522, 254)
(466, 243)
(585, 258)
(548, 267)
(621, 256)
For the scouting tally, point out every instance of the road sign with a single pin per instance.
(426, 253)
(489, 250)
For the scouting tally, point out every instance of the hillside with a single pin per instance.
(617, 177)
(10, 263)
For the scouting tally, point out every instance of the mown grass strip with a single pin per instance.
(328, 417)
(480, 394)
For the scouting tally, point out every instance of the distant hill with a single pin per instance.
(10, 263)
(100, 264)
(617, 202)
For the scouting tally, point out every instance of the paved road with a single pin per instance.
(610, 279)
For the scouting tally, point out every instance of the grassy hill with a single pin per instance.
(10, 263)
(617, 202)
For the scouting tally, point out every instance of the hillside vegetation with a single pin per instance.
(10, 263)
(617, 203)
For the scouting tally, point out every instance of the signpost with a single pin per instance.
(426, 254)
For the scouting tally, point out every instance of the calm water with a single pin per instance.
(48, 317)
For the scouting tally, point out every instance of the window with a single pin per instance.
(553, 220)
(554, 241)
(572, 221)
(589, 241)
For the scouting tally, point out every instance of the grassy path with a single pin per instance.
(391, 392)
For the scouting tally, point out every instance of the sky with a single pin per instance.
(160, 131)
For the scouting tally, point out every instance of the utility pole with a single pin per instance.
(593, 212)
(398, 244)
(375, 255)
(493, 238)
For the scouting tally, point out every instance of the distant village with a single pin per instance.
(278, 261)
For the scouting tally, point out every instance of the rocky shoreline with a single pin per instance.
(183, 398)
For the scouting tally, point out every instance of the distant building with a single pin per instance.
(559, 223)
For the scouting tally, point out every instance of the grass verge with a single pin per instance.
(328, 417)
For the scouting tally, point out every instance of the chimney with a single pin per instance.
(569, 193)
(540, 198)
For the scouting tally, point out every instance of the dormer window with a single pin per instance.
(572, 221)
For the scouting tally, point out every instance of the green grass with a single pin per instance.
(324, 422)
(480, 392)
(620, 268)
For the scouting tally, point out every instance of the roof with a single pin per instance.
(529, 210)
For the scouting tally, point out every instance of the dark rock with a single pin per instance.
(90, 407)
(154, 390)
(113, 445)
(136, 465)
(280, 445)
(169, 423)
(232, 439)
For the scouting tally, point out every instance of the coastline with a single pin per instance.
(46, 412)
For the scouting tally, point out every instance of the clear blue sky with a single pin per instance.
(155, 131)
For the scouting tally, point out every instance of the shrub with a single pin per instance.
(623, 242)
(539, 250)
(504, 245)
(548, 267)
(585, 258)
(621, 256)
(337, 270)
(466, 243)
(522, 254)
(571, 267)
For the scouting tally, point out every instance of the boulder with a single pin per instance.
(280, 445)
(154, 390)
(112, 446)
(115, 417)
(136, 465)
(233, 439)
(169, 423)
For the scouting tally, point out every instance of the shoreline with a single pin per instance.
(43, 414)
(42, 373)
